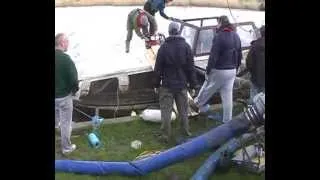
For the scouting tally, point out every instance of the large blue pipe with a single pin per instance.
(210, 140)
(211, 163)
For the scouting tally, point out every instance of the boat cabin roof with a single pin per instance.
(199, 33)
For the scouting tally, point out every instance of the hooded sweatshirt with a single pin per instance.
(255, 62)
(226, 50)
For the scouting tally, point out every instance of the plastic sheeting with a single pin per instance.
(97, 34)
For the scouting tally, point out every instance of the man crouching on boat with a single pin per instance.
(66, 84)
(138, 20)
(175, 70)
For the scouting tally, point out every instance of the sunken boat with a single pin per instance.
(121, 92)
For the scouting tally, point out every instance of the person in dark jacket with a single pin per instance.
(138, 20)
(153, 6)
(175, 70)
(66, 84)
(255, 63)
(224, 60)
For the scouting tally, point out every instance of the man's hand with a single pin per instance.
(75, 89)
(148, 45)
(156, 90)
(206, 77)
(194, 91)
(207, 74)
(146, 39)
(173, 19)
(241, 73)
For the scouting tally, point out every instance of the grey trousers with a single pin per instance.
(166, 98)
(218, 81)
(63, 116)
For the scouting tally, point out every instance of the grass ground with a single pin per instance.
(116, 140)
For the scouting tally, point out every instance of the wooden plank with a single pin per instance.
(151, 55)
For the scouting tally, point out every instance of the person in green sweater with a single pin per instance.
(66, 84)
(138, 20)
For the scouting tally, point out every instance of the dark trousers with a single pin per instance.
(166, 98)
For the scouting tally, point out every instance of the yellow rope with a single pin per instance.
(146, 154)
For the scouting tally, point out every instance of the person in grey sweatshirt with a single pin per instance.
(224, 60)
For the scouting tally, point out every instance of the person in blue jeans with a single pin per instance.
(224, 61)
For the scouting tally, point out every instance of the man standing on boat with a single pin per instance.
(153, 6)
(138, 20)
(174, 68)
(66, 84)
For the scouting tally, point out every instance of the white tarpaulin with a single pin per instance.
(97, 34)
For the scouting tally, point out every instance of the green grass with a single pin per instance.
(116, 140)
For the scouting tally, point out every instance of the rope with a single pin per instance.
(114, 116)
(146, 154)
(250, 31)
(260, 141)
(117, 107)
(82, 113)
(96, 129)
(244, 152)
(259, 157)
(102, 88)
(258, 138)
